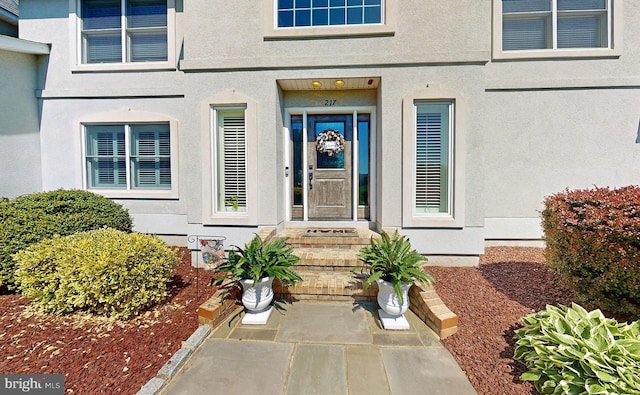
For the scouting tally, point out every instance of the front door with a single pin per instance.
(329, 161)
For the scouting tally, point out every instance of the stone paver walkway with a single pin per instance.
(320, 348)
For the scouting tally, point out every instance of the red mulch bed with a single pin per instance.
(107, 357)
(489, 300)
(101, 356)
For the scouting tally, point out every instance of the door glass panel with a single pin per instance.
(323, 160)
(296, 138)
(363, 159)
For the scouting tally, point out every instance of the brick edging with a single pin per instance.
(428, 306)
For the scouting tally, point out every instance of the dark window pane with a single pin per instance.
(147, 13)
(354, 16)
(371, 2)
(303, 18)
(320, 17)
(320, 3)
(337, 3)
(354, 2)
(566, 5)
(337, 17)
(285, 18)
(296, 137)
(303, 3)
(372, 15)
(100, 14)
(525, 5)
(285, 4)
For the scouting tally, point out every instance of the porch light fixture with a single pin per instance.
(339, 83)
(316, 84)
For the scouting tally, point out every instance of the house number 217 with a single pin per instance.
(330, 102)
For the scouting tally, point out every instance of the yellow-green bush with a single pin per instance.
(31, 218)
(105, 272)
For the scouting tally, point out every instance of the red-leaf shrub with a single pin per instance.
(593, 244)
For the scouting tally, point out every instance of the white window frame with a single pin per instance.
(272, 31)
(131, 118)
(75, 29)
(454, 217)
(216, 149)
(211, 215)
(614, 27)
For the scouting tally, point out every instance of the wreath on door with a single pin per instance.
(330, 142)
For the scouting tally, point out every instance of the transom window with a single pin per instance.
(123, 31)
(556, 24)
(128, 156)
(298, 13)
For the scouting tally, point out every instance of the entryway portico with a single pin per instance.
(329, 150)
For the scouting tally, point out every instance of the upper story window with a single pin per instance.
(555, 24)
(123, 31)
(291, 19)
(296, 13)
(557, 28)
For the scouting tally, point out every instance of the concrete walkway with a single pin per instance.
(320, 348)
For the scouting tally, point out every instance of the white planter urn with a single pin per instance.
(389, 301)
(258, 297)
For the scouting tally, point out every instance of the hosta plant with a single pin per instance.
(568, 350)
(392, 259)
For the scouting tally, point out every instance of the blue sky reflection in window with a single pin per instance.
(300, 13)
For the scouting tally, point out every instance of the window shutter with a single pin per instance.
(233, 160)
(432, 157)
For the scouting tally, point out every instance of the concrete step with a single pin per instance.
(327, 286)
(337, 259)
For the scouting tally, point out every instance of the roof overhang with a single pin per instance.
(23, 46)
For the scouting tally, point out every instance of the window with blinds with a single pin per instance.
(145, 147)
(432, 157)
(120, 31)
(231, 160)
(555, 24)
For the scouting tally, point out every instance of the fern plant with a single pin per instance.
(392, 259)
(256, 261)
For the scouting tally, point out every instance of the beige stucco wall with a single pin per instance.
(20, 147)
(532, 127)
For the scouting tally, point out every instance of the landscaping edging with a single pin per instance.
(156, 384)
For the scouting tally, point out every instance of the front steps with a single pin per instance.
(331, 271)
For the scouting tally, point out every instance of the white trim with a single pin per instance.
(615, 26)
(23, 46)
(75, 37)
(353, 111)
(387, 27)
(228, 99)
(355, 178)
(455, 218)
(127, 117)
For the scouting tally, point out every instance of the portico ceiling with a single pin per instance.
(318, 84)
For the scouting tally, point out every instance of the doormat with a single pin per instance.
(349, 232)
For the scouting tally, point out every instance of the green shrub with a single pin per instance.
(593, 244)
(572, 351)
(30, 218)
(105, 272)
